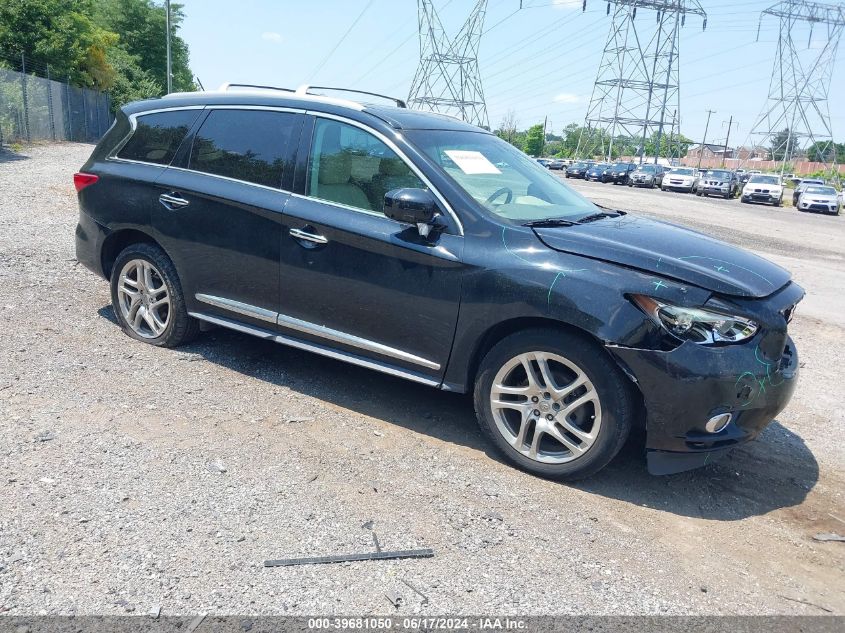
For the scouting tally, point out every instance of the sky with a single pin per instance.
(540, 61)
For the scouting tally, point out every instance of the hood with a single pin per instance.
(667, 250)
(763, 186)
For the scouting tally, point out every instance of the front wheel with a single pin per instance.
(553, 403)
(147, 297)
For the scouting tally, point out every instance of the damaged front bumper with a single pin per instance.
(684, 388)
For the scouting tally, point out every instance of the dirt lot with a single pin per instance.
(132, 476)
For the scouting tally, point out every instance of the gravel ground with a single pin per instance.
(133, 476)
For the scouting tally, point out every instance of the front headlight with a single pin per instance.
(698, 325)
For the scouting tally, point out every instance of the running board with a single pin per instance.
(316, 349)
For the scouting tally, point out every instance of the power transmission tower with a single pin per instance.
(636, 96)
(796, 116)
(448, 79)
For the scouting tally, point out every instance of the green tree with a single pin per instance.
(783, 143)
(826, 152)
(533, 145)
(668, 145)
(61, 34)
(142, 25)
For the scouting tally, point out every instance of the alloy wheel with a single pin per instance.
(546, 407)
(143, 298)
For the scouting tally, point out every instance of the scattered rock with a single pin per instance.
(216, 466)
(394, 598)
(829, 536)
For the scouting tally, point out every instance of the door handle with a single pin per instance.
(172, 201)
(308, 237)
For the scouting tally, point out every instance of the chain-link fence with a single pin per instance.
(35, 108)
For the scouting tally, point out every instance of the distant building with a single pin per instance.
(757, 152)
(709, 151)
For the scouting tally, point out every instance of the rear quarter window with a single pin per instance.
(157, 136)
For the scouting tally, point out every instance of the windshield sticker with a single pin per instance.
(472, 162)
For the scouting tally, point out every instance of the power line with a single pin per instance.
(340, 41)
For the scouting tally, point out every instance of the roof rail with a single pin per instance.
(305, 90)
(225, 87)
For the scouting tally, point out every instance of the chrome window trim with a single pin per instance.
(133, 125)
(340, 205)
(387, 141)
(240, 182)
(308, 347)
(313, 329)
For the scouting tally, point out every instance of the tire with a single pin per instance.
(610, 404)
(743, 200)
(172, 330)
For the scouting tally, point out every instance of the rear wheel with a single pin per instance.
(147, 297)
(553, 404)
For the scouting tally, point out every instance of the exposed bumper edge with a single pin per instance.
(669, 463)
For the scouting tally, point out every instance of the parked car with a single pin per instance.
(648, 175)
(820, 198)
(745, 175)
(577, 170)
(557, 164)
(679, 179)
(802, 186)
(620, 173)
(545, 162)
(599, 172)
(718, 182)
(311, 222)
(765, 188)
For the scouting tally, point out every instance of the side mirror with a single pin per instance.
(412, 206)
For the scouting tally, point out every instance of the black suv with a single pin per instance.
(620, 173)
(420, 246)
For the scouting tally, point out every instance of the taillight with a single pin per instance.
(82, 180)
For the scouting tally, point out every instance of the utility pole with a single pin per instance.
(704, 142)
(727, 137)
(169, 60)
(543, 146)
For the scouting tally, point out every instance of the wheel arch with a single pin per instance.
(505, 328)
(119, 240)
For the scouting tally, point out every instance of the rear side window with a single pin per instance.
(157, 136)
(249, 145)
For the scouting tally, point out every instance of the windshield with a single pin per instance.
(501, 178)
(825, 191)
(766, 180)
(578, 165)
(649, 169)
(683, 172)
(715, 173)
(620, 167)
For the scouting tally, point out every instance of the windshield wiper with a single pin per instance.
(550, 222)
(598, 216)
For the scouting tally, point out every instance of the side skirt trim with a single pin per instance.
(316, 349)
(313, 329)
